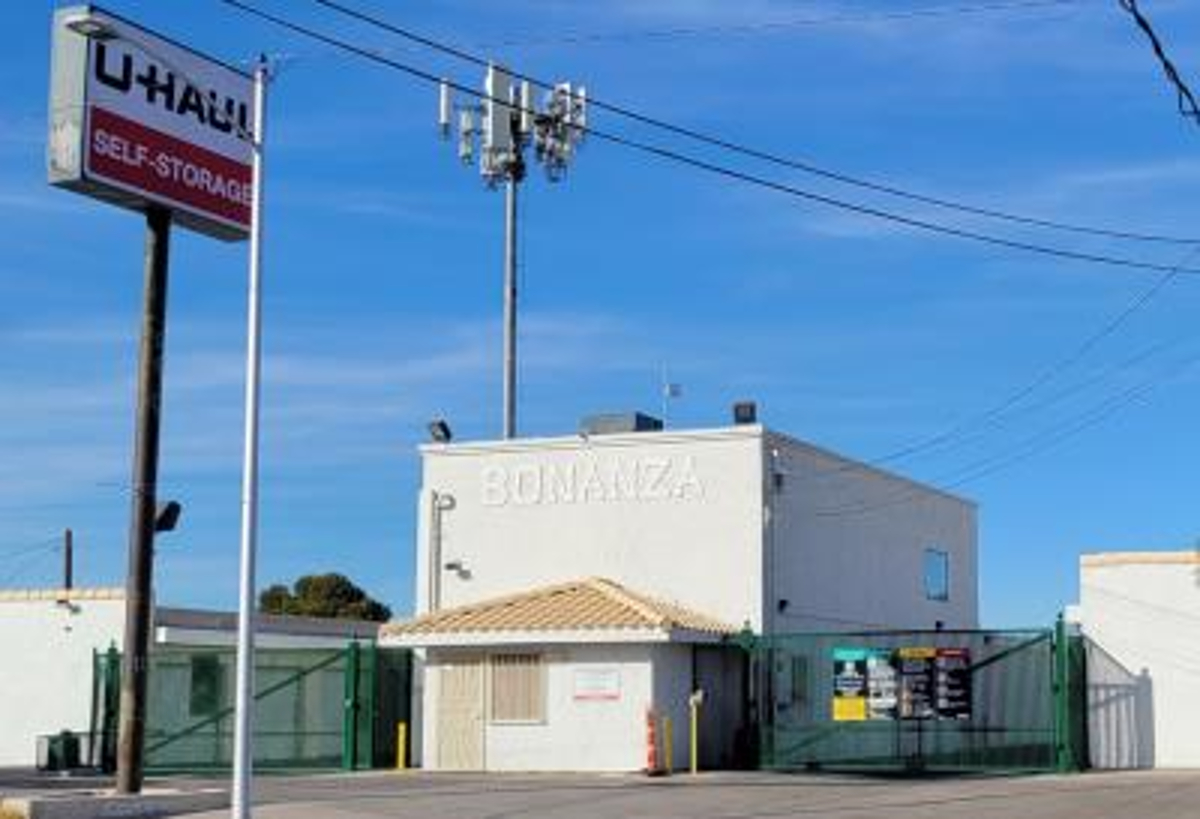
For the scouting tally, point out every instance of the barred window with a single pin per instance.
(518, 688)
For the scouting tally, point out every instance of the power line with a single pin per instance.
(18, 551)
(944, 440)
(1184, 98)
(764, 156)
(768, 26)
(988, 417)
(730, 173)
(1035, 445)
(28, 560)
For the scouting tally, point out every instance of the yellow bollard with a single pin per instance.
(401, 745)
(668, 746)
(694, 702)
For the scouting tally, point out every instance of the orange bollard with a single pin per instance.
(652, 767)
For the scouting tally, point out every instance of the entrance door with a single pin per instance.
(460, 715)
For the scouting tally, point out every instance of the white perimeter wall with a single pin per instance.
(678, 515)
(845, 545)
(1146, 615)
(46, 668)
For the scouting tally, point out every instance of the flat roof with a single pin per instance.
(670, 436)
(1189, 557)
(290, 624)
(33, 595)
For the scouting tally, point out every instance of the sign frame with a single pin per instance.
(141, 121)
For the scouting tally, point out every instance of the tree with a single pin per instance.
(329, 595)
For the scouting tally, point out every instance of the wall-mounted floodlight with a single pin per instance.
(92, 27)
(440, 431)
(166, 516)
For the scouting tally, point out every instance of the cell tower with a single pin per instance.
(498, 130)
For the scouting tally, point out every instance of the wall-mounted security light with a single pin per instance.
(92, 27)
(439, 431)
(166, 516)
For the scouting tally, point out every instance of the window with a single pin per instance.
(207, 685)
(937, 575)
(518, 688)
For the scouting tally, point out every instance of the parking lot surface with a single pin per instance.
(1157, 794)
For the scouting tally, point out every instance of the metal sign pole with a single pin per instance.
(138, 595)
(510, 302)
(243, 746)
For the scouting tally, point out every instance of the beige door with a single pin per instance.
(460, 715)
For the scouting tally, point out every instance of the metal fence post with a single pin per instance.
(1061, 691)
(111, 707)
(372, 711)
(351, 706)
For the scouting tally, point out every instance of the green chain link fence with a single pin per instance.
(314, 708)
(920, 701)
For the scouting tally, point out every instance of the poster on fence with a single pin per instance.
(953, 681)
(849, 684)
(881, 684)
(907, 683)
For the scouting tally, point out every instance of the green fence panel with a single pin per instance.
(932, 701)
(314, 708)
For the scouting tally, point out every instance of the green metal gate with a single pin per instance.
(314, 708)
(917, 701)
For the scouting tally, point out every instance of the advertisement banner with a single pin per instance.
(907, 683)
(849, 684)
(140, 121)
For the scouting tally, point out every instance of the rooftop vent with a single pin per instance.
(745, 412)
(614, 423)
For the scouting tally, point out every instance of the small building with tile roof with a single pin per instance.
(584, 675)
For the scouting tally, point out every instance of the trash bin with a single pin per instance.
(58, 752)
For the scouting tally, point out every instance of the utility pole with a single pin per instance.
(509, 122)
(131, 733)
(68, 560)
(510, 307)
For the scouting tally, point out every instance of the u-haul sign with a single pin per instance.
(140, 121)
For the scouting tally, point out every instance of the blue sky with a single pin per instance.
(384, 262)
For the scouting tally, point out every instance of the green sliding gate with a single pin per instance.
(919, 701)
(314, 708)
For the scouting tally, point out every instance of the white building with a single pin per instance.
(47, 640)
(1141, 612)
(738, 526)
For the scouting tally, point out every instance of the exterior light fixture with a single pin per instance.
(166, 516)
(92, 27)
(440, 431)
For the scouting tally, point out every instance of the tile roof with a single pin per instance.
(581, 605)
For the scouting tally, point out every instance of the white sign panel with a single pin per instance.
(141, 121)
(597, 684)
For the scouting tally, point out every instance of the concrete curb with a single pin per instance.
(108, 805)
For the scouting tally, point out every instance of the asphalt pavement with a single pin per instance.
(1157, 794)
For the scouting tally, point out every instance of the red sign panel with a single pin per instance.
(145, 159)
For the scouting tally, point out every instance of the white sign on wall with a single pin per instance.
(141, 121)
(597, 683)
